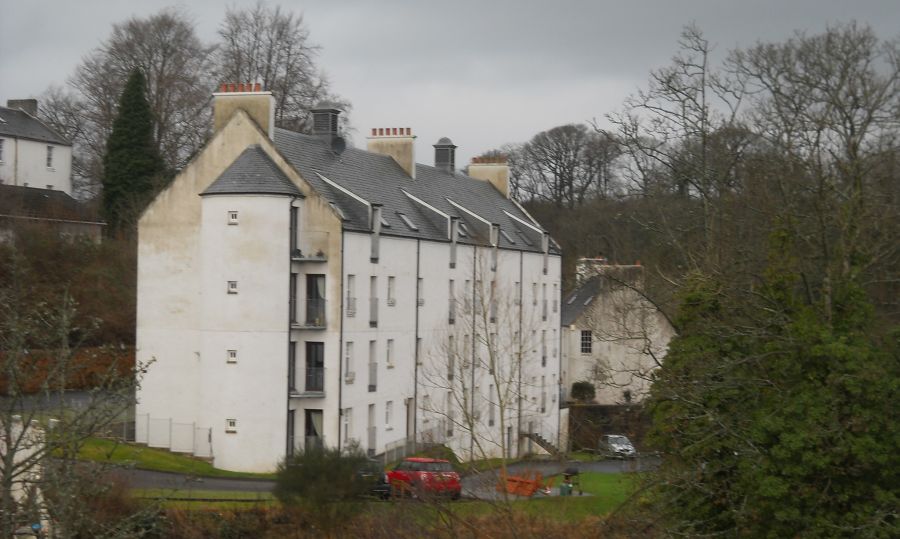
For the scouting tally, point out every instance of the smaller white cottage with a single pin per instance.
(612, 336)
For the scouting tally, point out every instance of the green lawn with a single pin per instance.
(147, 458)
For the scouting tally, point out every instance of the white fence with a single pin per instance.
(174, 436)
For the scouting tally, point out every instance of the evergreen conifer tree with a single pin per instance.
(132, 165)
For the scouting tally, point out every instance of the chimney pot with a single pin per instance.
(223, 87)
(232, 87)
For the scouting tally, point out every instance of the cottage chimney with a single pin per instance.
(396, 142)
(445, 155)
(26, 105)
(248, 97)
(494, 170)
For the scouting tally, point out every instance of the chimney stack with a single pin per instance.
(326, 126)
(493, 169)
(26, 105)
(248, 97)
(398, 143)
(445, 155)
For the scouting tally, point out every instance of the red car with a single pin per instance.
(418, 476)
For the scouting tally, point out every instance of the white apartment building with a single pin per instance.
(293, 291)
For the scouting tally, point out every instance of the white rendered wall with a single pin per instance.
(255, 254)
(24, 163)
(626, 365)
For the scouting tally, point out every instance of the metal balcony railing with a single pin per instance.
(312, 246)
(351, 307)
(315, 313)
(315, 379)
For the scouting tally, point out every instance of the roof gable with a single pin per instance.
(253, 172)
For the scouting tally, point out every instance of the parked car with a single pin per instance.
(419, 476)
(372, 474)
(616, 445)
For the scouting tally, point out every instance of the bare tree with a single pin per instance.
(40, 434)
(265, 44)
(483, 380)
(177, 66)
(566, 166)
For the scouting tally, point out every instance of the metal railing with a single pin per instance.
(312, 246)
(315, 379)
(315, 313)
(351, 307)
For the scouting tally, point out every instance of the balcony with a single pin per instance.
(312, 246)
(313, 315)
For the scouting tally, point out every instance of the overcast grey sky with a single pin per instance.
(483, 73)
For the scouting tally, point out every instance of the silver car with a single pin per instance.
(616, 445)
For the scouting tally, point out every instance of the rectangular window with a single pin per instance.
(232, 287)
(315, 366)
(1, 150)
(292, 366)
(534, 293)
(555, 297)
(555, 341)
(232, 217)
(292, 298)
(543, 348)
(543, 394)
(451, 357)
(452, 317)
(49, 186)
(351, 296)
(388, 415)
(390, 353)
(349, 373)
(544, 302)
(49, 156)
(492, 411)
(467, 292)
(315, 300)
(231, 425)
(391, 300)
(295, 249)
(348, 425)
(373, 367)
(373, 301)
(448, 410)
(232, 356)
(586, 341)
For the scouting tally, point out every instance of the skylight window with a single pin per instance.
(463, 231)
(338, 210)
(507, 237)
(588, 300)
(407, 222)
(572, 299)
(384, 222)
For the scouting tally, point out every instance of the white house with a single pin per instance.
(293, 291)
(31, 153)
(36, 177)
(612, 336)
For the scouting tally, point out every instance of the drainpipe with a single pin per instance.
(340, 350)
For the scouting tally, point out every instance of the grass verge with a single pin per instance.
(148, 458)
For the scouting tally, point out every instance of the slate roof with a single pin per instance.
(253, 172)
(20, 124)
(574, 305)
(378, 179)
(21, 201)
(593, 289)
